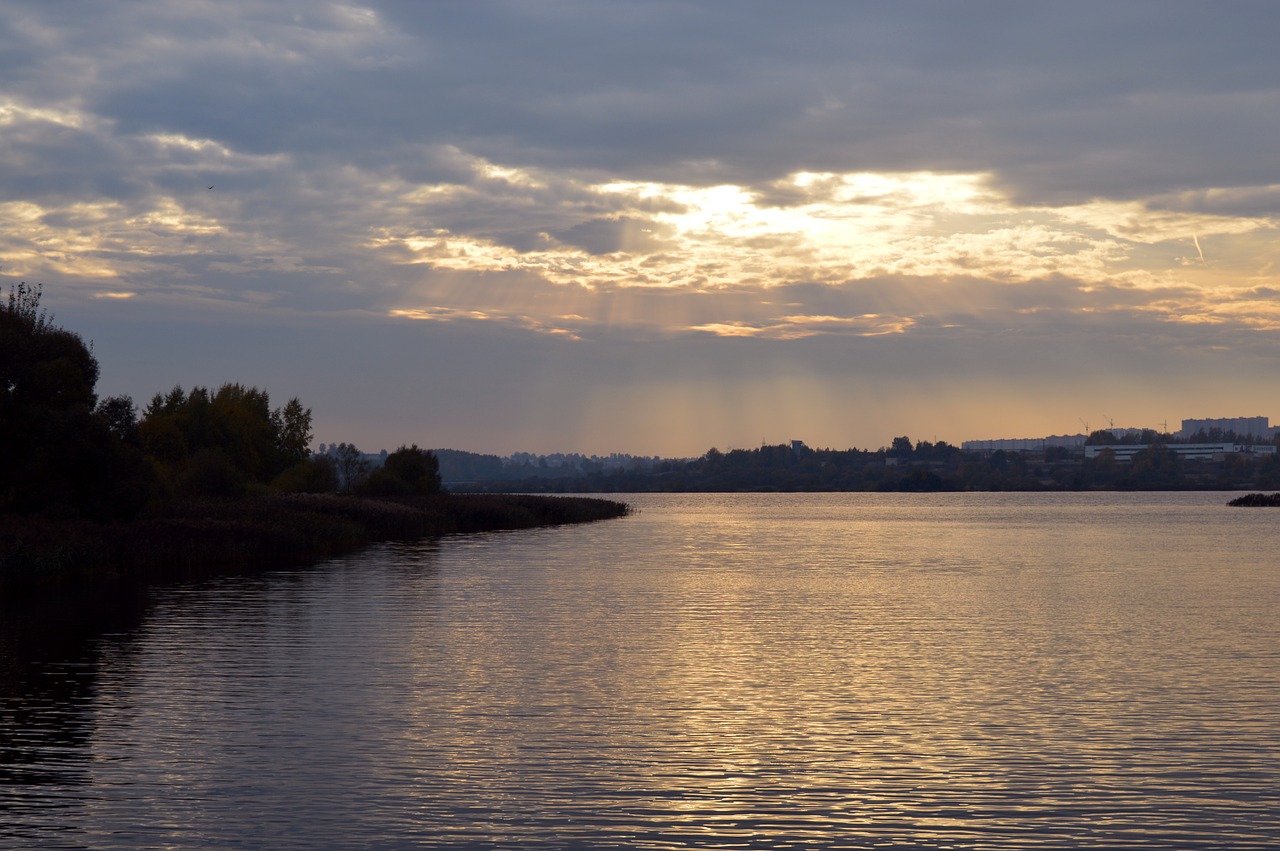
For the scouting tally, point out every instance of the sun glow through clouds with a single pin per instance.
(829, 229)
(584, 204)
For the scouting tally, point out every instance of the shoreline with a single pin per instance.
(43, 555)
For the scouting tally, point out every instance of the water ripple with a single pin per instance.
(963, 672)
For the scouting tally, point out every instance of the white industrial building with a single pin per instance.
(1259, 428)
(1189, 451)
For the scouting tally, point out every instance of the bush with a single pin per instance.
(212, 474)
(383, 484)
(315, 475)
(409, 471)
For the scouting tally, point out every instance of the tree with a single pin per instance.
(120, 415)
(1149, 437)
(292, 426)
(56, 455)
(350, 465)
(1101, 437)
(1154, 467)
(40, 362)
(314, 475)
(407, 471)
(235, 423)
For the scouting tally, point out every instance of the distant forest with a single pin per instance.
(903, 466)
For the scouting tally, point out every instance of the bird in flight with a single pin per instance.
(210, 187)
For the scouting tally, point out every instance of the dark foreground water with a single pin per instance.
(744, 671)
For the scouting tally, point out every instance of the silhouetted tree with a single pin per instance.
(350, 464)
(121, 417)
(292, 425)
(314, 475)
(1154, 467)
(235, 425)
(1101, 437)
(407, 471)
(56, 455)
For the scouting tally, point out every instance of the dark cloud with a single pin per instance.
(46, 161)
(341, 140)
(1060, 101)
(626, 234)
(1252, 201)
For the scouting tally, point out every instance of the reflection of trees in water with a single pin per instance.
(49, 668)
(94, 694)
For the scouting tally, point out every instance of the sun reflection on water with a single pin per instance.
(740, 671)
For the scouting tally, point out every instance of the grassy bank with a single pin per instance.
(42, 554)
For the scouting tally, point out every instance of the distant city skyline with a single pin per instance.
(656, 227)
(1255, 426)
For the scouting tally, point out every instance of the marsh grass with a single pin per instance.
(204, 538)
(1257, 500)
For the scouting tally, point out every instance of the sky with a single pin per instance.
(657, 227)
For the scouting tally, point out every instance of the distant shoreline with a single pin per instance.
(1256, 500)
(42, 555)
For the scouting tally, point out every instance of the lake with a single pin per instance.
(721, 671)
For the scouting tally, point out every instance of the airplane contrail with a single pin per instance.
(1196, 240)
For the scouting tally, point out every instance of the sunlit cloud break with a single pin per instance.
(619, 223)
(811, 227)
(797, 327)
(824, 228)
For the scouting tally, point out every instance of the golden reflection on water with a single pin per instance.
(773, 677)
(963, 671)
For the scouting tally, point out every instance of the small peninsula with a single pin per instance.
(95, 493)
(1256, 500)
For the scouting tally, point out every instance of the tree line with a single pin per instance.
(65, 452)
(913, 466)
(1151, 437)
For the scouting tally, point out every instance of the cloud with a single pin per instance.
(1062, 104)
(1243, 202)
(800, 326)
(934, 179)
(624, 234)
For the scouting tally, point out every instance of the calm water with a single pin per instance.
(743, 671)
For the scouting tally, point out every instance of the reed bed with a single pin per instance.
(198, 539)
